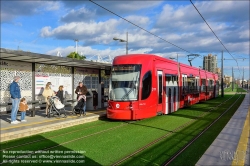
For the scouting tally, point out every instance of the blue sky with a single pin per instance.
(50, 26)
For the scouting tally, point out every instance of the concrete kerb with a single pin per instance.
(47, 127)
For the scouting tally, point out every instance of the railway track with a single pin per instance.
(100, 132)
(48, 148)
(175, 130)
(197, 136)
(54, 136)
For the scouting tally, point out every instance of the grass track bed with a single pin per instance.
(236, 89)
(193, 153)
(160, 152)
(108, 147)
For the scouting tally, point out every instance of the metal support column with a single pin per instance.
(232, 79)
(33, 110)
(127, 43)
(73, 88)
(100, 75)
(222, 75)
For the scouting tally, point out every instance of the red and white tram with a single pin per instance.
(143, 86)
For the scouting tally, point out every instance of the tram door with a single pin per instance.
(176, 93)
(171, 93)
(174, 99)
(169, 100)
(217, 89)
(160, 91)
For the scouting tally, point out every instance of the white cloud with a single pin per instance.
(18, 24)
(79, 15)
(118, 6)
(13, 9)
(52, 5)
(92, 54)
(80, 30)
(184, 26)
(139, 20)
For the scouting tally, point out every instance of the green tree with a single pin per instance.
(75, 55)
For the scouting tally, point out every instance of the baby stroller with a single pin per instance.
(56, 108)
(78, 109)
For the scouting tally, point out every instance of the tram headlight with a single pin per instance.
(109, 105)
(130, 106)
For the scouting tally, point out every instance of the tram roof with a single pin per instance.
(18, 55)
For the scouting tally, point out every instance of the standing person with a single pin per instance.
(23, 107)
(47, 93)
(15, 97)
(82, 104)
(81, 90)
(60, 94)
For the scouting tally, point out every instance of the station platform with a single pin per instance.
(231, 147)
(41, 124)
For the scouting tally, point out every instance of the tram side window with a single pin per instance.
(168, 77)
(184, 84)
(146, 85)
(191, 84)
(203, 85)
(217, 85)
(175, 78)
(211, 85)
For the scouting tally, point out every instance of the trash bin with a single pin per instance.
(32, 113)
(95, 98)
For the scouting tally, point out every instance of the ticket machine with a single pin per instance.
(92, 100)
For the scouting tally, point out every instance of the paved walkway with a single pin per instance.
(40, 124)
(230, 146)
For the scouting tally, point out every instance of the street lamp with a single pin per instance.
(122, 40)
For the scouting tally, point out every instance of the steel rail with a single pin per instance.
(39, 140)
(197, 136)
(168, 134)
(45, 149)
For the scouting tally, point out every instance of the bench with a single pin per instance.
(35, 103)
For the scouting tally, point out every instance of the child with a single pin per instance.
(23, 107)
(58, 103)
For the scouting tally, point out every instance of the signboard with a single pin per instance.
(86, 71)
(66, 82)
(56, 81)
(15, 65)
(40, 83)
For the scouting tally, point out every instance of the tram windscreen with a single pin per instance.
(124, 82)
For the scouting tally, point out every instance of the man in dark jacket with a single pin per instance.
(15, 97)
(81, 90)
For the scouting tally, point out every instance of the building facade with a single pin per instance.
(210, 63)
(228, 80)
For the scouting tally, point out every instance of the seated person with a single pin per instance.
(58, 103)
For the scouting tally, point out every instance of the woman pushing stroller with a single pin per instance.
(81, 105)
(81, 92)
